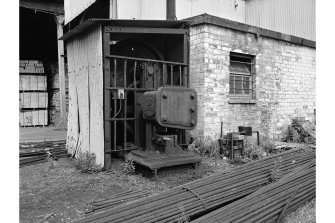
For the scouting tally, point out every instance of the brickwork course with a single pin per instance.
(284, 78)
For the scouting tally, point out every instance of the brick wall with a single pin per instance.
(285, 81)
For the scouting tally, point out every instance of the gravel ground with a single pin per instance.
(305, 214)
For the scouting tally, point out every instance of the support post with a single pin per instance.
(61, 70)
(113, 9)
(171, 10)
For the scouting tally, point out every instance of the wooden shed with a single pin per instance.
(111, 63)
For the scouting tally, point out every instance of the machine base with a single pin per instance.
(155, 160)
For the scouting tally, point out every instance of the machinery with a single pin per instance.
(148, 105)
(232, 143)
(166, 112)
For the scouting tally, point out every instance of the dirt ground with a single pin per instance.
(63, 191)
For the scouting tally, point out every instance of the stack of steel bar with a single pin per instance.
(272, 202)
(120, 198)
(206, 194)
(41, 156)
(36, 146)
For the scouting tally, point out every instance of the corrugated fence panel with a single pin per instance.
(228, 9)
(141, 9)
(75, 7)
(286, 16)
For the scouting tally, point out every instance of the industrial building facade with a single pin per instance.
(246, 76)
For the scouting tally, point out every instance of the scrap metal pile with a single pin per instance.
(31, 153)
(270, 203)
(120, 198)
(205, 195)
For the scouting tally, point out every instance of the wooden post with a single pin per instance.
(61, 69)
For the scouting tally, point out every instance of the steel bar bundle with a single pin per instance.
(206, 194)
(272, 202)
(36, 146)
(41, 156)
(120, 198)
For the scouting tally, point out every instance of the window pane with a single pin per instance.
(246, 85)
(231, 84)
(238, 84)
(239, 67)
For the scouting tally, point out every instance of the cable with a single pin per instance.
(119, 110)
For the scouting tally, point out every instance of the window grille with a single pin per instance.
(241, 71)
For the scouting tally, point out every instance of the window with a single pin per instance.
(241, 75)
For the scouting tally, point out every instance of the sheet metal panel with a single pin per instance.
(75, 7)
(228, 9)
(141, 9)
(286, 16)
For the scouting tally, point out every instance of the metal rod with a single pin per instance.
(130, 89)
(125, 74)
(180, 77)
(115, 105)
(171, 75)
(214, 190)
(164, 73)
(135, 65)
(147, 60)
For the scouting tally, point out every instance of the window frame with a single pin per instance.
(251, 58)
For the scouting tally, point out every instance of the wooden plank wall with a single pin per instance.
(85, 119)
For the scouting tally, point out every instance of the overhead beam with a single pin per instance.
(116, 29)
(54, 7)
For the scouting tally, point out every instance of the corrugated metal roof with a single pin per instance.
(286, 16)
(125, 23)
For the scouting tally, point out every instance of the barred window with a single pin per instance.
(241, 72)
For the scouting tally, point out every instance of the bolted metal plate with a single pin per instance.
(172, 107)
(176, 107)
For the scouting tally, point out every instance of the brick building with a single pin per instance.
(251, 62)
(249, 76)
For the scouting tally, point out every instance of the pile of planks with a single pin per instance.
(120, 198)
(33, 94)
(272, 202)
(31, 66)
(204, 195)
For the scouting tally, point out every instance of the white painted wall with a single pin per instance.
(221, 8)
(142, 9)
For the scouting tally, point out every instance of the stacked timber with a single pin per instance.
(202, 196)
(31, 66)
(33, 94)
(272, 202)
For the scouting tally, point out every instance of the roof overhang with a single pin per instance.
(159, 25)
(48, 6)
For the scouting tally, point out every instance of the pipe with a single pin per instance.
(171, 10)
